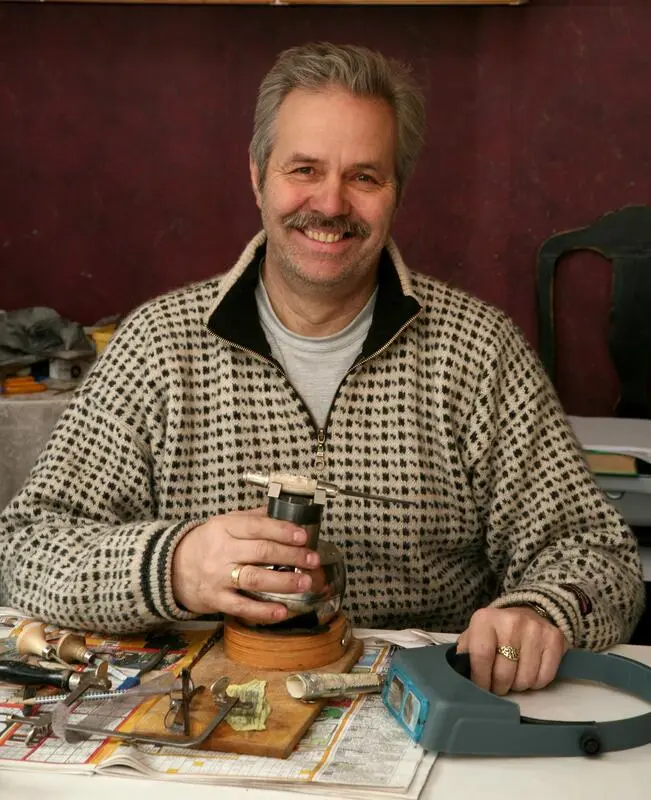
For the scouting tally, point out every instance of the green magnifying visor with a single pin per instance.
(429, 691)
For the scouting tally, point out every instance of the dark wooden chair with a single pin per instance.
(623, 237)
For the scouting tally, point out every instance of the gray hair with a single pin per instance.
(362, 72)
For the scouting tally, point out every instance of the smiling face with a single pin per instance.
(330, 193)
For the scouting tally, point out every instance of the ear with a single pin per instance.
(255, 181)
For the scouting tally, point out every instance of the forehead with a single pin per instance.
(333, 123)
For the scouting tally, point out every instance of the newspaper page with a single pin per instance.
(336, 754)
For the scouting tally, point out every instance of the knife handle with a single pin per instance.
(29, 675)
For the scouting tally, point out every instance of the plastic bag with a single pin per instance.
(33, 334)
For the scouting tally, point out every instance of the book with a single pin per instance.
(630, 437)
(601, 463)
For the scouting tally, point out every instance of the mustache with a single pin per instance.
(339, 224)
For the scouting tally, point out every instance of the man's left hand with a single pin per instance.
(534, 648)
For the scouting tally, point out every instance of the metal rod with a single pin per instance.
(160, 685)
(50, 699)
(379, 497)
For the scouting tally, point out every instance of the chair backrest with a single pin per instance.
(624, 238)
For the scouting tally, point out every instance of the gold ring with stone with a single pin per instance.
(512, 653)
(235, 575)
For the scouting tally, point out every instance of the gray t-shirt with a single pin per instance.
(315, 366)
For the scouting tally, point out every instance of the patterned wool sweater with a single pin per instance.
(446, 405)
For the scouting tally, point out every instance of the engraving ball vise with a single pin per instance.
(301, 500)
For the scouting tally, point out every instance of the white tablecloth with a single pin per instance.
(26, 422)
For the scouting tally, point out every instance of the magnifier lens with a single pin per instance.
(396, 694)
(411, 711)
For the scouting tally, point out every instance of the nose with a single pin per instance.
(330, 197)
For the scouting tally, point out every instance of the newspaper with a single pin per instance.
(337, 755)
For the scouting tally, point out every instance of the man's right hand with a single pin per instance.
(205, 558)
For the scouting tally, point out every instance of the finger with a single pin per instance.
(528, 667)
(263, 551)
(481, 645)
(238, 605)
(259, 579)
(258, 526)
(549, 662)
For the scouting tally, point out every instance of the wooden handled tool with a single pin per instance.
(71, 648)
(28, 675)
(31, 641)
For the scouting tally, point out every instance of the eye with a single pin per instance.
(303, 170)
(364, 178)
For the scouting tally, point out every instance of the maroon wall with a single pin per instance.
(124, 133)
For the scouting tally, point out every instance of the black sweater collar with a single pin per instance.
(235, 318)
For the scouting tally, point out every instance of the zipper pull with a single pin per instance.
(319, 461)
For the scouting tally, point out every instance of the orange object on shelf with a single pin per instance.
(22, 385)
(102, 336)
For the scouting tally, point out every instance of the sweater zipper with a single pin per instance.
(319, 461)
(322, 433)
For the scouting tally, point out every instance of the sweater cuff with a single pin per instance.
(562, 605)
(158, 574)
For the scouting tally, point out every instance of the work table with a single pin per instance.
(626, 773)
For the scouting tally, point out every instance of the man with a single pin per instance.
(320, 354)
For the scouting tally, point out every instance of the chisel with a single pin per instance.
(29, 675)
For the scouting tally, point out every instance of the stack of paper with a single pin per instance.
(615, 446)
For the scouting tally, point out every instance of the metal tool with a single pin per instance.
(77, 733)
(177, 718)
(159, 685)
(300, 500)
(41, 724)
(71, 648)
(278, 482)
(127, 686)
(23, 674)
(154, 660)
(210, 642)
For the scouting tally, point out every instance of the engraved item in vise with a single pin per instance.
(301, 500)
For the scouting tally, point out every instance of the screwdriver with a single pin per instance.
(29, 675)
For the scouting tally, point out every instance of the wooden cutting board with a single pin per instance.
(288, 721)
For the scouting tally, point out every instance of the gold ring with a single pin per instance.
(512, 653)
(235, 575)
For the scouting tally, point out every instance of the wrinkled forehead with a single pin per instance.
(335, 126)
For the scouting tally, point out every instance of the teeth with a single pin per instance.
(319, 236)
